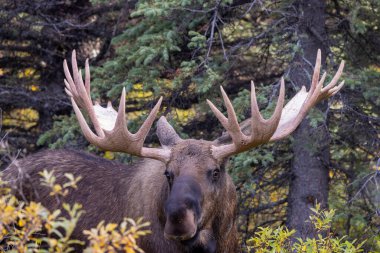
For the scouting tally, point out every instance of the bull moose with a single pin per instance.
(182, 188)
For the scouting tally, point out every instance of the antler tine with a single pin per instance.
(275, 118)
(69, 83)
(146, 126)
(120, 119)
(87, 132)
(222, 119)
(335, 78)
(111, 129)
(230, 124)
(87, 78)
(76, 89)
(335, 90)
(316, 72)
(233, 124)
(255, 111)
(261, 129)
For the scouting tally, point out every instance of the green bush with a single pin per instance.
(281, 240)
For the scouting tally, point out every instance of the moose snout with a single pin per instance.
(180, 225)
(182, 210)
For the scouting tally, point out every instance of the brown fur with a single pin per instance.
(110, 191)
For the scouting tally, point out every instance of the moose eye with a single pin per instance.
(215, 174)
(167, 175)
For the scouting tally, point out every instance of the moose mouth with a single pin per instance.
(185, 239)
(181, 228)
(203, 241)
(188, 241)
(192, 240)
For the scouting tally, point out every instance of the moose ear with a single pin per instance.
(166, 133)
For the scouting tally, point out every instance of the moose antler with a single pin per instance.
(283, 121)
(110, 126)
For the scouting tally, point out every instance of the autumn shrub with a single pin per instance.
(281, 239)
(30, 227)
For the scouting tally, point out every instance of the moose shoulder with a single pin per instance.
(182, 188)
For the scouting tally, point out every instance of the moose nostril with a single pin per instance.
(190, 203)
(177, 216)
(180, 225)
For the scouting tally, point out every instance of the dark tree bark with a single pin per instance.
(309, 183)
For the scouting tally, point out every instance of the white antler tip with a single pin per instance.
(342, 63)
(340, 85)
(73, 55)
(282, 85)
(122, 99)
(68, 93)
(158, 104)
(224, 95)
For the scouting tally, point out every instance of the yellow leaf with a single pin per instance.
(109, 155)
(273, 196)
(129, 250)
(21, 223)
(34, 87)
(111, 226)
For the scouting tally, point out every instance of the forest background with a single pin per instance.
(184, 50)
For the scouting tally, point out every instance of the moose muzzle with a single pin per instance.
(183, 209)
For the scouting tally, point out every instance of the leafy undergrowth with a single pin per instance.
(30, 227)
(281, 240)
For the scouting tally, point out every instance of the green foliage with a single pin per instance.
(65, 131)
(197, 41)
(316, 117)
(365, 81)
(271, 240)
(244, 162)
(282, 240)
(21, 223)
(362, 16)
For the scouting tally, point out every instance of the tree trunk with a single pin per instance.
(309, 184)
